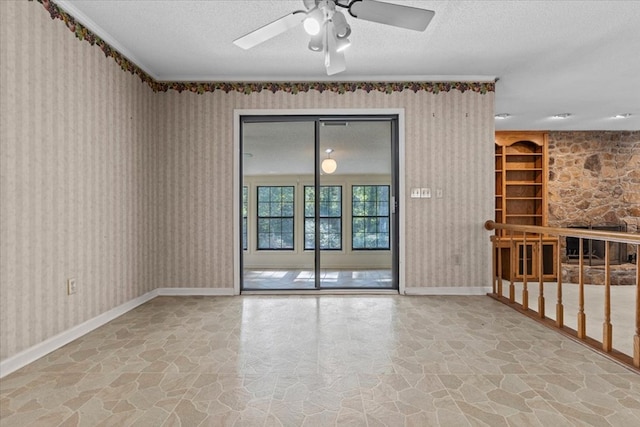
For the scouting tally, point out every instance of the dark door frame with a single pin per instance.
(393, 118)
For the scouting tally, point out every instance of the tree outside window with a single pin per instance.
(330, 217)
(370, 217)
(275, 217)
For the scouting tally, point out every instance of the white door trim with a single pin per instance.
(317, 112)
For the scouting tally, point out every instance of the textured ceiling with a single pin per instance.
(551, 57)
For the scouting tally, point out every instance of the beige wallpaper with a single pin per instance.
(449, 145)
(75, 184)
(129, 190)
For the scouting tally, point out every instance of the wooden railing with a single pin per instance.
(535, 235)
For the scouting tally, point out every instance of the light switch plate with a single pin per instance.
(438, 193)
(425, 193)
(72, 286)
(415, 193)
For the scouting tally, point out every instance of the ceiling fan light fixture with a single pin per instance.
(313, 22)
(316, 43)
(343, 30)
(320, 18)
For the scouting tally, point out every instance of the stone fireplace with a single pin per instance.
(593, 251)
(594, 181)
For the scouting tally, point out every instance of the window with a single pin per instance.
(245, 210)
(275, 218)
(330, 217)
(370, 217)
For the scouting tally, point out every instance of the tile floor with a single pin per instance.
(322, 361)
(263, 279)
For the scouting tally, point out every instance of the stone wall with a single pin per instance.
(594, 178)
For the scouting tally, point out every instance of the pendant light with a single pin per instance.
(329, 165)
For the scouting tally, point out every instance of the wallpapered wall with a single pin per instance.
(444, 148)
(77, 139)
(130, 190)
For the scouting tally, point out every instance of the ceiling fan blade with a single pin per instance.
(270, 30)
(334, 61)
(397, 15)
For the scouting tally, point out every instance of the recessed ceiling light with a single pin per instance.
(622, 116)
(502, 116)
(561, 116)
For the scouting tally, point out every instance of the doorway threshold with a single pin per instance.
(322, 292)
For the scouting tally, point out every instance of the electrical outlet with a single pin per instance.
(71, 286)
(438, 193)
(425, 193)
(415, 193)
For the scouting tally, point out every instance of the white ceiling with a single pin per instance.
(578, 57)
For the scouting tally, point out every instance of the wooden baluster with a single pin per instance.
(582, 320)
(636, 338)
(541, 279)
(607, 328)
(525, 290)
(559, 307)
(513, 267)
(494, 281)
(499, 266)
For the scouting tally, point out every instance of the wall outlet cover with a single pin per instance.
(425, 193)
(415, 193)
(72, 287)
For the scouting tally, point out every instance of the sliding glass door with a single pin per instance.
(318, 202)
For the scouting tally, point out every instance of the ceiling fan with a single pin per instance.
(329, 29)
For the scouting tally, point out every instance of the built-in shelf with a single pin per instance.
(521, 198)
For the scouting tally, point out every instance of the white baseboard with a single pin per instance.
(34, 353)
(448, 290)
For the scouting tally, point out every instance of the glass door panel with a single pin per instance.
(318, 202)
(355, 204)
(277, 165)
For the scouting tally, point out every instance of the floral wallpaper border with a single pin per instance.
(247, 88)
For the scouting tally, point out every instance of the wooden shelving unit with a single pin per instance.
(521, 171)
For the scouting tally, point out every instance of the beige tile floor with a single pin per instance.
(322, 361)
